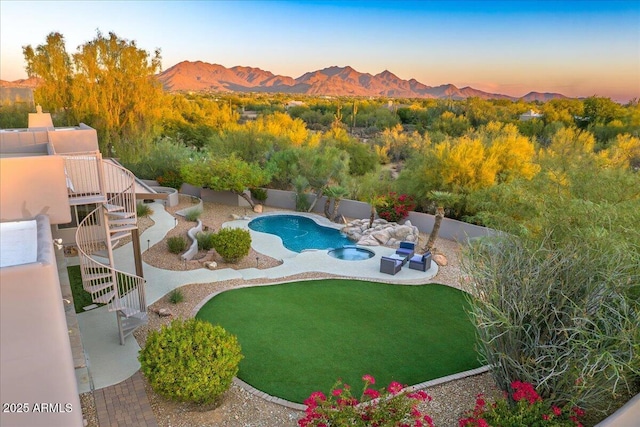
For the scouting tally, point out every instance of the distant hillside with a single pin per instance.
(537, 96)
(335, 81)
(31, 83)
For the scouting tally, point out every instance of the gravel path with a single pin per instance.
(239, 408)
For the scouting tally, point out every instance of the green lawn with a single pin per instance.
(301, 337)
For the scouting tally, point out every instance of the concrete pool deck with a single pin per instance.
(110, 363)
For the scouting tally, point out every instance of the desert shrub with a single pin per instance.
(302, 202)
(162, 163)
(171, 179)
(143, 210)
(176, 296)
(300, 184)
(259, 194)
(193, 214)
(176, 244)
(556, 316)
(190, 360)
(232, 243)
(205, 240)
(164, 160)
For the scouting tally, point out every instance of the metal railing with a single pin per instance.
(85, 175)
(106, 284)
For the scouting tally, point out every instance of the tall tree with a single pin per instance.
(322, 167)
(107, 84)
(51, 64)
(116, 89)
(440, 199)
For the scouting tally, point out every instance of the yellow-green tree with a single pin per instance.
(513, 152)
(623, 153)
(109, 84)
(466, 165)
(51, 64)
(115, 87)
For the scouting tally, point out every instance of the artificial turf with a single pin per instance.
(301, 337)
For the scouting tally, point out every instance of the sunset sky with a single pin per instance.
(577, 48)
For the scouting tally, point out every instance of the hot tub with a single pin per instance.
(351, 253)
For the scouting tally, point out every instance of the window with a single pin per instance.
(78, 213)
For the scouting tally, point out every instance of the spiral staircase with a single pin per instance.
(91, 179)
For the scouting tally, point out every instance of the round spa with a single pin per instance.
(351, 253)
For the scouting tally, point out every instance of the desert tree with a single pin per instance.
(334, 193)
(441, 199)
(226, 174)
(322, 167)
(115, 87)
(109, 83)
(52, 66)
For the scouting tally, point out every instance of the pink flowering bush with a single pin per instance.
(390, 407)
(527, 409)
(394, 207)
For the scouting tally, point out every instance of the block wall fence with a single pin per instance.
(450, 229)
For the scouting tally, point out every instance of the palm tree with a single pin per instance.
(336, 193)
(441, 199)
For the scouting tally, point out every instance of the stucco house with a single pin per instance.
(530, 115)
(56, 189)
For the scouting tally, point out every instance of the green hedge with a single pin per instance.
(232, 243)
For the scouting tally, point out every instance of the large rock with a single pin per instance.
(165, 312)
(381, 232)
(440, 259)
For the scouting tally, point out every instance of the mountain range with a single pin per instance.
(332, 81)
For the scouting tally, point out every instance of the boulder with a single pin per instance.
(381, 232)
(257, 208)
(211, 265)
(440, 259)
(165, 312)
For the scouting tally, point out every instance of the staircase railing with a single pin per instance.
(84, 175)
(122, 291)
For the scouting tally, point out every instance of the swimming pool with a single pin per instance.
(299, 233)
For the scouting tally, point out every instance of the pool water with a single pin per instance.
(351, 253)
(299, 233)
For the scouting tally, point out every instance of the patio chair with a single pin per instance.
(407, 249)
(390, 265)
(421, 262)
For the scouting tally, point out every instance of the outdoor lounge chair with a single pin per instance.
(421, 262)
(390, 265)
(407, 249)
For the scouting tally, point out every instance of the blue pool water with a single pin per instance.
(352, 253)
(299, 233)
